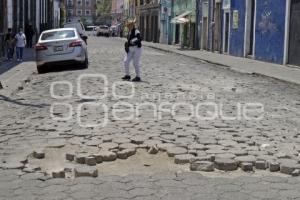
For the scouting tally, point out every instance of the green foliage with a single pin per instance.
(63, 16)
(83, 20)
(104, 12)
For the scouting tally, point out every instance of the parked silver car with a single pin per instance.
(60, 46)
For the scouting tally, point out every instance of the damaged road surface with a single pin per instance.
(190, 130)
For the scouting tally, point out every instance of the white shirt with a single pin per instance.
(21, 40)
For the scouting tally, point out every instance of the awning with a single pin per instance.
(180, 19)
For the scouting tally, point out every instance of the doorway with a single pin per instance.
(204, 33)
(294, 41)
(226, 32)
(217, 28)
(147, 28)
(177, 33)
(250, 29)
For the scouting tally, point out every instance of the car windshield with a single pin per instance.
(104, 27)
(55, 35)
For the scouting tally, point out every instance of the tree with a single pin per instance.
(63, 15)
(104, 12)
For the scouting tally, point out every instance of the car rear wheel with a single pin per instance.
(86, 62)
(40, 69)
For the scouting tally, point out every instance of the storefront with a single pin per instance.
(165, 14)
(184, 23)
(149, 22)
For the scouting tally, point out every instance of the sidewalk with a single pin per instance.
(13, 75)
(244, 65)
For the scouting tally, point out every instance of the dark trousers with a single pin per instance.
(9, 53)
(29, 43)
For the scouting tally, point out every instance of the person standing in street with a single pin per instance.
(9, 44)
(20, 44)
(133, 48)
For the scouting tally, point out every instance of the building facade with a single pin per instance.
(117, 11)
(150, 20)
(3, 26)
(84, 10)
(184, 23)
(265, 30)
(41, 15)
(165, 19)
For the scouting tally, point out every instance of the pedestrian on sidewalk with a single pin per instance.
(20, 44)
(29, 33)
(133, 48)
(9, 44)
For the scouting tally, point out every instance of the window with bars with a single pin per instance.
(87, 3)
(79, 3)
(70, 12)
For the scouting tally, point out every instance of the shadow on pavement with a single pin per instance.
(20, 103)
(61, 68)
(29, 55)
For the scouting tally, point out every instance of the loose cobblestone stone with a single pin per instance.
(246, 166)
(153, 150)
(107, 155)
(80, 158)
(296, 172)
(248, 159)
(108, 146)
(86, 171)
(127, 146)
(183, 158)
(70, 156)
(261, 164)
(274, 166)
(205, 166)
(90, 160)
(98, 157)
(59, 174)
(288, 167)
(226, 164)
(172, 151)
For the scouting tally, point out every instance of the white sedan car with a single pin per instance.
(60, 46)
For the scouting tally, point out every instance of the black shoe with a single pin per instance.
(1, 87)
(126, 78)
(136, 79)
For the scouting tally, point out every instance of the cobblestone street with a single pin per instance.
(153, 155)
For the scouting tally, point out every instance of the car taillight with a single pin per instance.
(76, 43)
(40, 47)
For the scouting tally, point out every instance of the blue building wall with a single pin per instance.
(270, 30)
(198, 23)
(237, 35)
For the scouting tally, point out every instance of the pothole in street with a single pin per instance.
(56, 165)
(142, 162)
